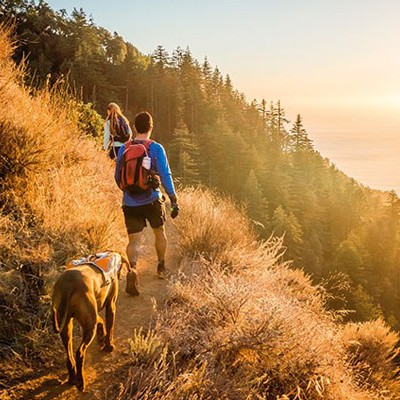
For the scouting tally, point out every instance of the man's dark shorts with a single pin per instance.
(135, 217)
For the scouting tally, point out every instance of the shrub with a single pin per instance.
(211, 226)
(371, 349)
(86, 119)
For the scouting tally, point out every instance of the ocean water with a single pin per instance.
(361, 137)
(372, 157)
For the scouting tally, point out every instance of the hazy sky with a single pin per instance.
(336, 62)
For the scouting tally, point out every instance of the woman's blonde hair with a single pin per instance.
(114, 117)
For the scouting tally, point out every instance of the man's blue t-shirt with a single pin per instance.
(159, 163)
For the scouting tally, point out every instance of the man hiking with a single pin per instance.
(141, 165)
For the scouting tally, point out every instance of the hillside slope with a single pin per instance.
(53, 182)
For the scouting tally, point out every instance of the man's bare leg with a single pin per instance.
(160, 243)
(132, 251)
(161, 248)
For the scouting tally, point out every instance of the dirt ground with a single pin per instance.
(105, 372)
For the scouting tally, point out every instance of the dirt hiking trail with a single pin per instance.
(105, 372)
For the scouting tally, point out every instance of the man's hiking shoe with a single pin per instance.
(163, 272)
(132, 283)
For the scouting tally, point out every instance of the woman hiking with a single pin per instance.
(116, 130)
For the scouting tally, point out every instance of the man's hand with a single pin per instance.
(174, 210)
(174, 206)
(173, 199)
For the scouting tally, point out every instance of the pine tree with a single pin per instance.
(217, 82)
(183, 153)
(161, 58)
(263, 110)
(228, 84)
(177, 58)
(276, 121)
(349, 260)
(286, 224)
(257, 204)
(116, 49)
(363, 304)
(206, 69)
(190, 79)
(299, 140)
(213, 143)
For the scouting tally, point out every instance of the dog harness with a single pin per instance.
(108, 263)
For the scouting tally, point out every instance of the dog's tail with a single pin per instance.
(61, 301)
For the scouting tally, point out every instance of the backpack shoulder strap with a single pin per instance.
(124, 124)
(128, 144)
(147, 143)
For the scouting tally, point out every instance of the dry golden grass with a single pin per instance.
(58, 199)
(241, 325)
(371, 348)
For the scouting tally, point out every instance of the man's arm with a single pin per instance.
(164, 172)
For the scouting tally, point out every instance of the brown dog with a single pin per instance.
(81, 292)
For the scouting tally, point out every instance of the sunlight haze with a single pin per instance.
(335, 62)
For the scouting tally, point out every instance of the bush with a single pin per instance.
(371, 349)
(86, 119)
(206, 222)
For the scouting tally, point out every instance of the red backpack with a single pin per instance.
(134, 177)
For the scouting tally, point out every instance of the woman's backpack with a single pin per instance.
(120, 131)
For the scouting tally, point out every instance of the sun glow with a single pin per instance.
(395, 100)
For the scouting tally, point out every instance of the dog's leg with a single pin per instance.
(124, 264)
(88, 322)
(110, 319)
(101, 331)
(66, 337)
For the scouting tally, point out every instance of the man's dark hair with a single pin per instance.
(143, 122)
